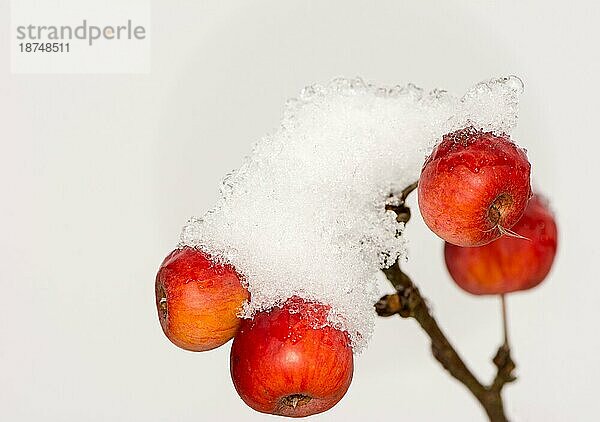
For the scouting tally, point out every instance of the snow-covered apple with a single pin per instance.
(289, 361)
(474, 187)
(198, 300)
(508, 264)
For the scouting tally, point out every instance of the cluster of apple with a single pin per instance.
(474, 192)
(286, 361)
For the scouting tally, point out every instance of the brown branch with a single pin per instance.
(408, 303)
(400, 208)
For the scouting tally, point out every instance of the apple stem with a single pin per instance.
(409, 303)
(504, 320)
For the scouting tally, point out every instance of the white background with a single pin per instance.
(99, 172)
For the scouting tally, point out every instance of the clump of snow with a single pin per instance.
(305, 213)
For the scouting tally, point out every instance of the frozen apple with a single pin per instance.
(198, 300)
(508, 264)
(288, 361)
(474, 187)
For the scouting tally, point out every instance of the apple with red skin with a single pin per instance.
(508, 264)
(474, 187)
(198, 300)
(288, 362)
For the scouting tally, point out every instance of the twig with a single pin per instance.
(408, 303)
(400, 208)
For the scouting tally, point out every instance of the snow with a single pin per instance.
(305, 213)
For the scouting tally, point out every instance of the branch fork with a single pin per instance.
(408, 302)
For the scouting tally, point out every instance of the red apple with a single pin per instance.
(288, 362)
(508, 264)
(474, 187)
(198, 300)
